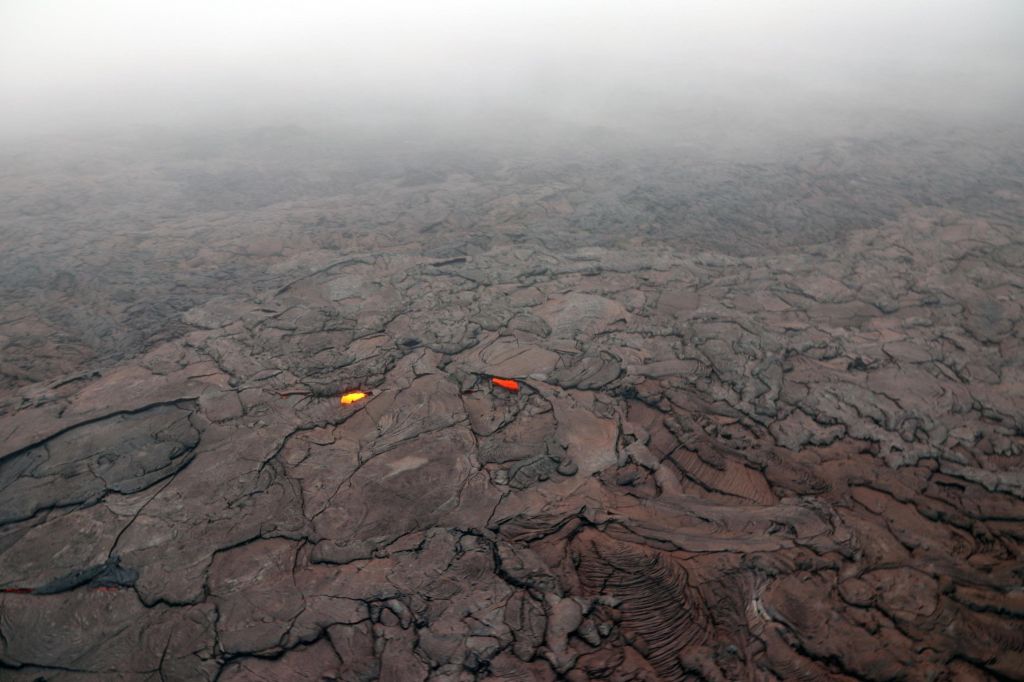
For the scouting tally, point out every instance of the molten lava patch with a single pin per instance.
(353, 397)
(508, 384)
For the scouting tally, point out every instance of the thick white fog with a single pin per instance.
(78, 66)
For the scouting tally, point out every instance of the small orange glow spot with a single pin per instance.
(509, 384)
(353, 397)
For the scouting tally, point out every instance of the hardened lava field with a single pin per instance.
(764, 418)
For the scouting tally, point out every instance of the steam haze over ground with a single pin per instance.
(677, 340)
(794, 63)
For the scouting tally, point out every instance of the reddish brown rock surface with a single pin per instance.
(769, 424)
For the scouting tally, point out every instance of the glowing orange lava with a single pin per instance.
(352, 397)
(509, 384)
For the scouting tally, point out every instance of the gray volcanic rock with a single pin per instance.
(124, 453)
(741, 447)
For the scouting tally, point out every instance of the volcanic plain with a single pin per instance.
(769, 422)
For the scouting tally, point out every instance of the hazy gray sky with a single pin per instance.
(67, 64)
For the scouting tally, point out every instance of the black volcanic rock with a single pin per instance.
(772, 430)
